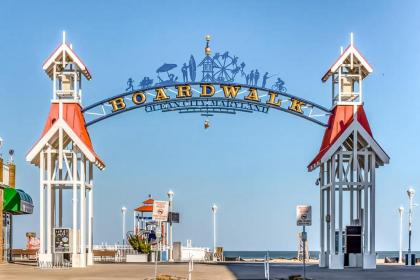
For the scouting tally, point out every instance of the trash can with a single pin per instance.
(410, 259)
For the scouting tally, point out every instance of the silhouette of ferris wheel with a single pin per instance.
(225, 67)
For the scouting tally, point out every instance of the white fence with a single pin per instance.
(194, 253)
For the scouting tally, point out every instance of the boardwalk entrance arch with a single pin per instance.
(219, 83)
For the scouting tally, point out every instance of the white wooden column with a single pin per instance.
(74, 204)
(340, 202)
(366, 205)
(353, 167)
(90, 228)
(49, 205)
(41, 202)
(328, 193)
(332, 200)
(322, 221)
(60, 200)
(82, 211)
(352, 188)
(372, 204)
(90, 221)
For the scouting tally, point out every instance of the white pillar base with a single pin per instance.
(369, 261)
(323, 259)
(355, 260)
(78, 260)
(45, 258)
(336, 261)
(90, 258)
(82, 260)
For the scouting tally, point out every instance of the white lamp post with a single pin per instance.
(214, 210)
(401, 211)
(170, 197)
(123, 210)
(410, 192)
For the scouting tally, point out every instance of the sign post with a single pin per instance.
(304, 218)
(160, 214)
(158, 236)
(267, 266)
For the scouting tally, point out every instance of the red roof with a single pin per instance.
(149, 201)
(340, 119)
(73, 116)
(144, 208)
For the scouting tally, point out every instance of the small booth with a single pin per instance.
(12, 202)
(17, 202)
(142, 215)
(146, 227)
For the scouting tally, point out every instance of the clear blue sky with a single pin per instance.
(252, 165)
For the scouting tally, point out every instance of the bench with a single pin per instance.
(30, 254)
(105, 254)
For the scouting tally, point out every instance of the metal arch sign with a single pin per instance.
(225, 87)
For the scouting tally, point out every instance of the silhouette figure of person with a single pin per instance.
(279, 84)
(184, 70)
(247, 78)
(257, 76)
(251, 77)
(130, 84)
(172, 77)
(264, 79)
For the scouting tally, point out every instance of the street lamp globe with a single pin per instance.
(411, 192)
(123, 209)
(214, 208)
(401, 210)
(170, 195)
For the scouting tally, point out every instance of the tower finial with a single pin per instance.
(64, 36)
(207, 50)
(351, 38)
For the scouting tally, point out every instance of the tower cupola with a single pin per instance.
(347, 75)
(66, 69)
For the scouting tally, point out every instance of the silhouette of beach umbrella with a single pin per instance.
(166, 67)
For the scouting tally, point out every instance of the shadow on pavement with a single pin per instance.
(283, 271)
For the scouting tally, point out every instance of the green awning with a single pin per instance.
(17, 202)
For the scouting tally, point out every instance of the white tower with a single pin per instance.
(347, 160)
(65, 157)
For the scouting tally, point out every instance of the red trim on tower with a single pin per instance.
(340, 119)
(73, 116)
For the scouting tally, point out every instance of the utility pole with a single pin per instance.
(401, 211)
(123, 210)
(171, 254)
(214, 210)
(410, 192)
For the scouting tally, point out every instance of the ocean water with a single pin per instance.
(293, 254)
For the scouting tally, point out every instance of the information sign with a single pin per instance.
(61, 240)
(160, 210)
(303, 215)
